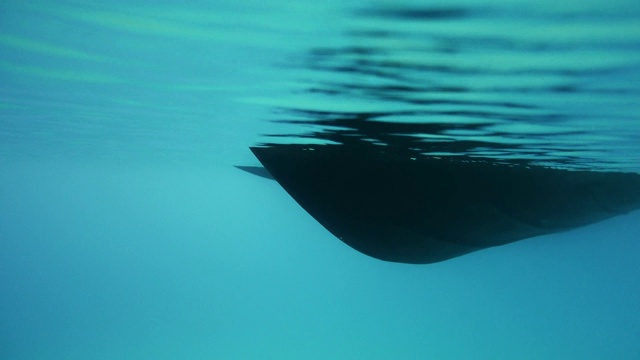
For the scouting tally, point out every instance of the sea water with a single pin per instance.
(126, 232)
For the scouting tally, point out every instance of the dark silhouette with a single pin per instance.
(403, 207)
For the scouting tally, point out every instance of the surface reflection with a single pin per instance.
(501, 84)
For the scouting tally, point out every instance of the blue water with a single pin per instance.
(126, 232)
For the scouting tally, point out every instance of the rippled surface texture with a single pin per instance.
(545, 86)
(126, 232)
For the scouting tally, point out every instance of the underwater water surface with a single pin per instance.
(127, 233)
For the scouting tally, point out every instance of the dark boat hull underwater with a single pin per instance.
(397, 207)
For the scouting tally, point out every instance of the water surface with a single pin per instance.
(125, 231)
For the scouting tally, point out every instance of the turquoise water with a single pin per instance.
(126, 233)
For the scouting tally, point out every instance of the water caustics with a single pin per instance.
(428, 133)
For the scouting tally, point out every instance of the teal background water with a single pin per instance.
(126, 233)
